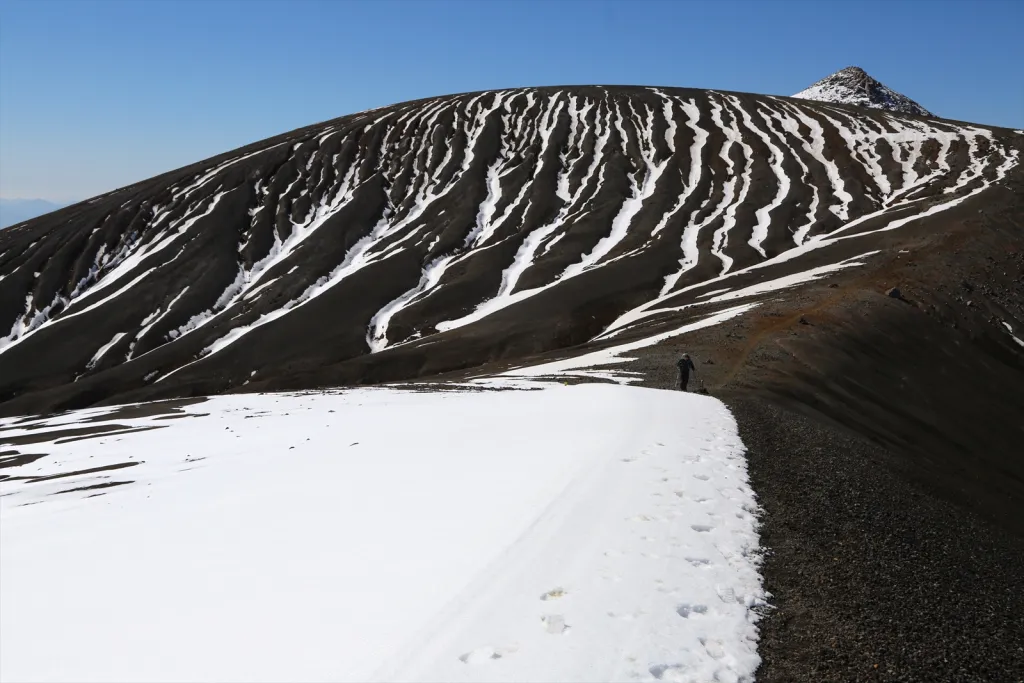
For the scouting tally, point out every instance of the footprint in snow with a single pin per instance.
(641, 518)
(669, 672)
(713, 647)
(702, 477)
(702, 528)
(686, 611)
(698, 561)
(555, 623)
(484, 654)
(554, 594)
(628, 616)
(726, 593)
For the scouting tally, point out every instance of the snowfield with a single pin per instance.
(540, 532)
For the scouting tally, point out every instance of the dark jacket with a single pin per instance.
(685, 365)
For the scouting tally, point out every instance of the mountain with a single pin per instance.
(853, 85)
(13, 211)
(443, 234)
(848, 280)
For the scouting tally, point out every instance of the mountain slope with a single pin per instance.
(853, 85)
(447, 233)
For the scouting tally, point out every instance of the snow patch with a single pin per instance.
(591, 532)
(103, 350)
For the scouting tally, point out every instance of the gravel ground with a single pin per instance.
(873, 577)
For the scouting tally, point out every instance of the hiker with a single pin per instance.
(685, 365)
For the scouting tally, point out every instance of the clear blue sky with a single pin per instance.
(97, 95)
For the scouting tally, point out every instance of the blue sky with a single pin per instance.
(97, 95)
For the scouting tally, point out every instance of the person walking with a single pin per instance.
(685, 365)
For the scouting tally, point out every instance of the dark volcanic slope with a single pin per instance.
(443, 234)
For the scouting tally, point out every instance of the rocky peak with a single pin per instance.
(853, 85)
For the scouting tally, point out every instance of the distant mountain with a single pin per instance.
(14, 211)
(853, 85)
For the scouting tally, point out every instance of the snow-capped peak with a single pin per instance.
(853, 85)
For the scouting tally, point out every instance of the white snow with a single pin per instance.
(591, 532)
(103, 349)
(376, 336)
(154, 318)
(1009, 329)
